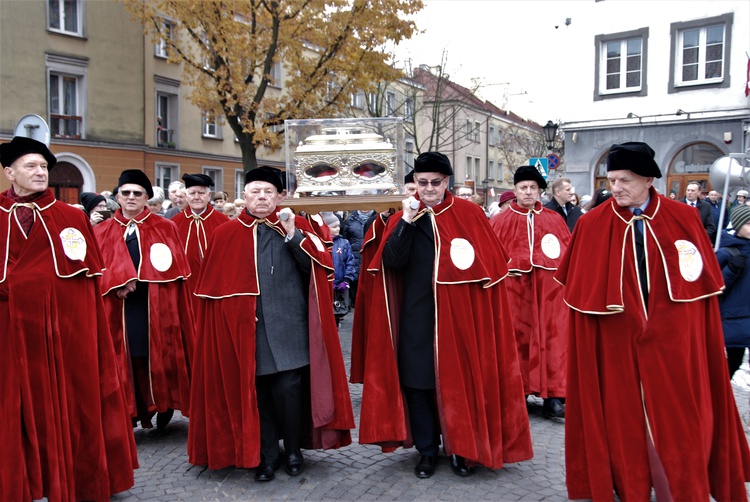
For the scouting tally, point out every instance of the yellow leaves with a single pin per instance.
(328, 48)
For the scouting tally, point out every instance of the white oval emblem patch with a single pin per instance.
(318, 243)
(462, 253)
(691, 261)
(160, 256)
(74, 243)
(551, 246)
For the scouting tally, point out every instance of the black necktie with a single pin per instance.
(640, 254)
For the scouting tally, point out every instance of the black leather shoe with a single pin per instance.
(458, 464)
(265, 472)
(553, 408)
(295, 463)
(426, 467)
(162, 419)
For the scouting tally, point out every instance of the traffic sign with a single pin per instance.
(554, 161)
(541, 164)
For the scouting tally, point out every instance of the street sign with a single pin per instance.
(541, 164)
(554, 161)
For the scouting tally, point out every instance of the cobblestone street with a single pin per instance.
(361, 472)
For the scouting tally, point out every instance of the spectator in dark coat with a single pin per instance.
(562, 202)
(735, 308)
(692, 198)
(716, 202)
(353, 230)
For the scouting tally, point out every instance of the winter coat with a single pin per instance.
(344, 262)
(734, 304)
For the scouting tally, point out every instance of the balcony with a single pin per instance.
(164, 137)
(65, 126)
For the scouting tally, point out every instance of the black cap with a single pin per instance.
(136, 177)
(634, 156)
(197, 180)
(409, 178)
(267, 174)
(529, 173)
(89, 200)
(433, 162)
(20, 146)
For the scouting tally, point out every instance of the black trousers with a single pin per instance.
(734, 359)
(424, 420)
(280, 403)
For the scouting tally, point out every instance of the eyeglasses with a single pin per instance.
(134, 193)
(424, 183)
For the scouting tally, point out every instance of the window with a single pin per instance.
(66, 78)
(239, 183)
(211, 128)
(701, 53)
(390, 103)
(499, 171)
(491, 170)
(65, 16)
(409, 109)
(491, 136)
(477, 127)
(621, 64)
(166, 30)
(167, 99)
(473, 170)
(216, 174)
(166, 174)
(477, 169)
(358, 100)
(276, 74)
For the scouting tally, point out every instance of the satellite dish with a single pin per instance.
(727, 167)
(34, 127)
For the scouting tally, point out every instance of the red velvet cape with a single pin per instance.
(320, 228)
(479, 388)
(370, 245)
(540, 316)
(165, 267)
(195, 232)
(224, 426)
(667, 361)
(66, 434)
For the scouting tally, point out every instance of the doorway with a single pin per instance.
(66, 181)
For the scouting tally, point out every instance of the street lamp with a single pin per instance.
(485, 185)
(550, 134)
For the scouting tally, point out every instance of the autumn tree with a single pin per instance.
(229, 48)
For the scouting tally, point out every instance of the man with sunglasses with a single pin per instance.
(146, 296)
(65, 433)
(440, 346)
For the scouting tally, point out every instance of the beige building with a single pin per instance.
(111, 100)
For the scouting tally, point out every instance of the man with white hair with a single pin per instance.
(66, 433)
(268, 362)
(649, 403)
(197, 223)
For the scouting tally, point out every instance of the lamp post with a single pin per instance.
(485, 185)
(550, 134)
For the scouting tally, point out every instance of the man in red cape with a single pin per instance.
(649, 402)
(441, 356)
(535, 237)
(196, 224)
(267, 340)
(370, 244)
(65, 433)
(146, 295)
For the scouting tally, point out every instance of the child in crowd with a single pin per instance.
(344, 267)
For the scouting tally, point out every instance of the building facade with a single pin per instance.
(674, 79)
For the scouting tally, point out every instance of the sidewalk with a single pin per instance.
(361, 472)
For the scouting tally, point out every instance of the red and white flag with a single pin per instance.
(747, 82)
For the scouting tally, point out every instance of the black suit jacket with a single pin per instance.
(574, 212)
(707, 217)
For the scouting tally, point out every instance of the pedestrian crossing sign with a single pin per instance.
(541, 164)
